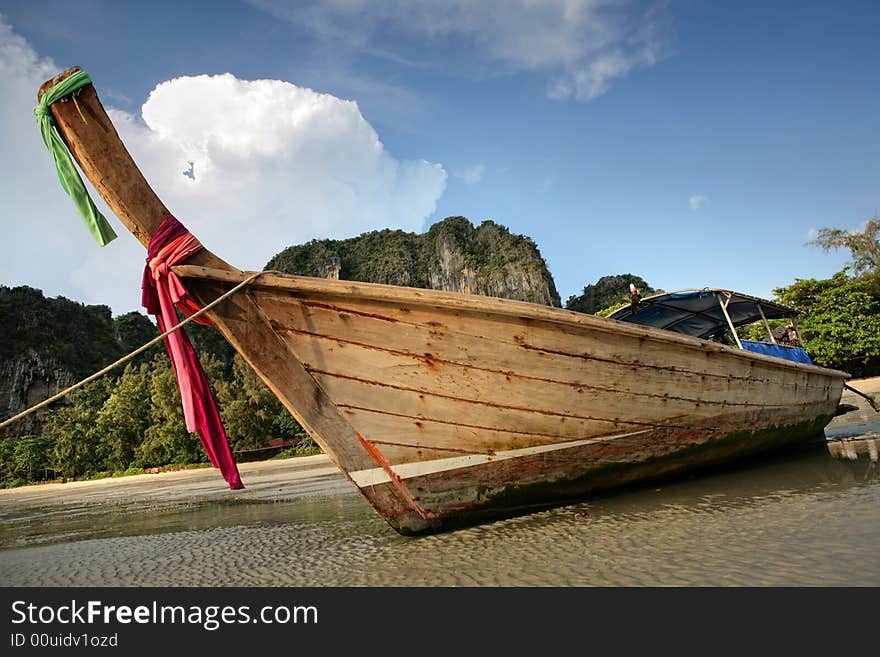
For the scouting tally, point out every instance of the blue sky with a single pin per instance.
(690, 143)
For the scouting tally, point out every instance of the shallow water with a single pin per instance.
(811, 518)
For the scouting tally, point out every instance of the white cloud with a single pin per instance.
(581, 46)
(697, 201)
(471, 175)
(273, 164)
(43, 239)
(812, 234)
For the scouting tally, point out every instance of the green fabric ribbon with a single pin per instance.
(67, 173)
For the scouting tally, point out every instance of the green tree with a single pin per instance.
(33, 455)
(287, 427)
(24, 458)
(7, 457)
(78, 449)
(251, 413)
(841, 328)
(208, 341)
(863, 245)
(248, 408)
(166, 440)
(123, 420)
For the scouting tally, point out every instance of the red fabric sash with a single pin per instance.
(161, 291)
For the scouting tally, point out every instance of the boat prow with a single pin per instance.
(445, 409)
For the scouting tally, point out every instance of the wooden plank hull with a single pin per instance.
(445, 408)
(470, 408)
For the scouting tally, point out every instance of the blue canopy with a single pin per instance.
(699, 313)
(797, 354)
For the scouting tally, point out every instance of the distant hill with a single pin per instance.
(50, 343)
(452, 255)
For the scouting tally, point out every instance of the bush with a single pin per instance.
(841, 325)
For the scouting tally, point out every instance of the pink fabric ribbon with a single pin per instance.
(162, 290)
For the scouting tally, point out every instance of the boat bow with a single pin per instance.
(444, 408)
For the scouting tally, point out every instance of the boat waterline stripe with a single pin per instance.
(374, 476)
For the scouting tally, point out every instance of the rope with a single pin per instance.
(869, 398)
(131, 355)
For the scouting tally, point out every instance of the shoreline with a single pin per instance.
(282, 479)
(869, 386)
(270, 480)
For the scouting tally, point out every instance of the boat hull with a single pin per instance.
(449, 408)
(467, 496)
(463, 408)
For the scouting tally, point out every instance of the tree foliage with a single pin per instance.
(251, 414)
(863, 245)
(166, 440)
(124, 417)
(81, 338)
(78, 450)
(25, 458)
(135, 421)
(841, 327)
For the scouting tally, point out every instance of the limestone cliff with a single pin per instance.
(27, 379)
(50, 343)
(453, 255)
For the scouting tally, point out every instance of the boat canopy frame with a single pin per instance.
(707, 313)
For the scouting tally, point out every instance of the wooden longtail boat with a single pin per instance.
(446, 409)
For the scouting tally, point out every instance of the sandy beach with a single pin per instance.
(798, 519)
(869, 386)
(264, 480)
(864, 418)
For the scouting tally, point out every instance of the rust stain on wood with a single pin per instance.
(544, 351)
(345, 310)
(431, 361)
(420, 448)
(395, 478)
(504, 406)
(638, 364)
(418, 421)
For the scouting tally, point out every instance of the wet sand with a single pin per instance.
(853, 423)
(805, 519)
(282, 479)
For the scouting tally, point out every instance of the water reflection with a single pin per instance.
(811, 518)
(863, 453)
(855, 449)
